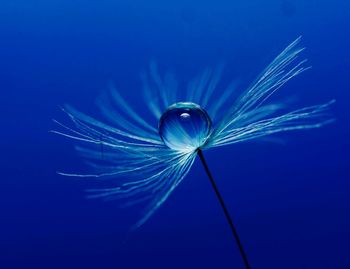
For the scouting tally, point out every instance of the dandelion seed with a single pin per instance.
(151, 162)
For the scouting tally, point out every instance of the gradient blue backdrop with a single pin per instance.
(290, 201)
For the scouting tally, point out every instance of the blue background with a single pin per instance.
(290, 201)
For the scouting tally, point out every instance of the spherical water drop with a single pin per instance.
(184, 126)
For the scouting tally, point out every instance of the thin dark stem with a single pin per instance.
(227, 214)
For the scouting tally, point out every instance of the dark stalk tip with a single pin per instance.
(227, 214)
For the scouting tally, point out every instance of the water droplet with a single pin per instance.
(184, 126)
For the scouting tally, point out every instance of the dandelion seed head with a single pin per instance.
(184, 126)
(149, 163)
